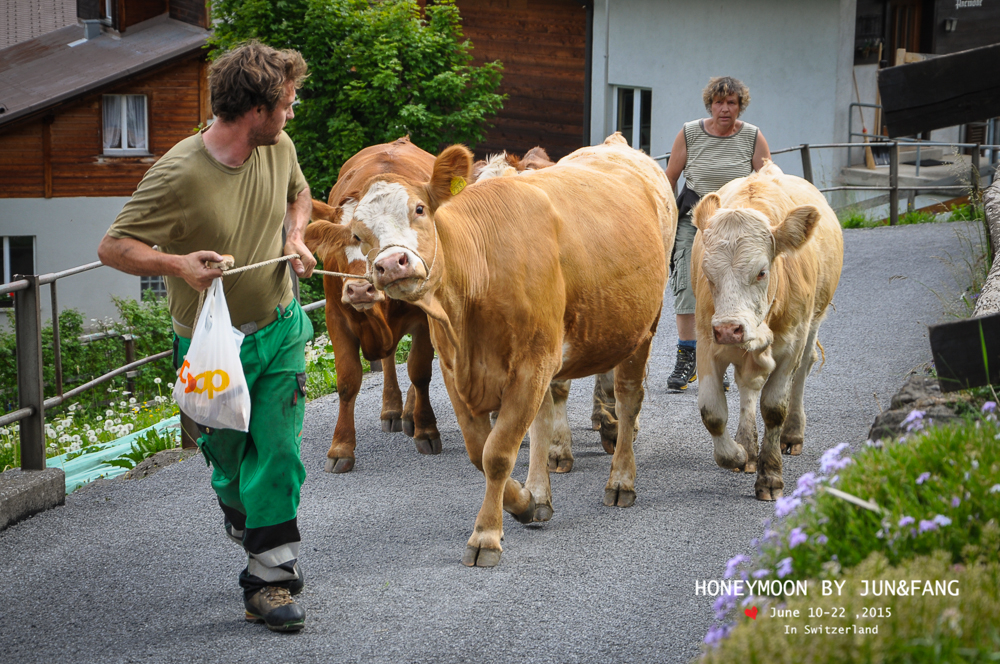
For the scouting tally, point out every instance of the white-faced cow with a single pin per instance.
(557, 274)
(360, 317)
(765, 264)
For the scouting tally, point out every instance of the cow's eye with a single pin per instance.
(420, 209)
(356, 239)
(761, 275)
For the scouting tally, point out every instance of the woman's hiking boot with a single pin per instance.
(684, 370)
(274, 606)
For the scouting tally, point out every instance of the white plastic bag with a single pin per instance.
(211, 387)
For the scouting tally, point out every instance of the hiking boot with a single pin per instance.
(684, 371)
(274, 606)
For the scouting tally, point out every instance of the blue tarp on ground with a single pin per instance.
(92, 466)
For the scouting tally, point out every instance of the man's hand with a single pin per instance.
(303, 266)
(193, 269)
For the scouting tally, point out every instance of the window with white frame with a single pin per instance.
(155, 284)
(125, 125)
(633, 113)
(17, 257)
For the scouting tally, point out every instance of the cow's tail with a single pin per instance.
(822, 354)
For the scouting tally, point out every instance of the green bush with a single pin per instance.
(854, 218)
(378, 71)
(966, 212)
(921, 627)
(917, 217)
(147, 445)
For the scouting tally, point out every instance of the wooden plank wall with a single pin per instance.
(977, 26)
(542, 44)
(78, 166)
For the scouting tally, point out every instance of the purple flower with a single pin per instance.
(784, 567)
(785, 506)
(733, 563)
(761, 573)
(995, 488)
(806, 486)
(831, 462)
(914, 420)
(923, 477)
(750, 599)
(942, 520)
(926, 525)
(716, 634)
(955, 502)
(796, 537)
(821, 539)
(989, 407)
(905, 521)
(723, 604)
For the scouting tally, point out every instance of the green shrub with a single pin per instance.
(854, 218)
(378, 71)
(966, 212)
(921, 627)
(917, 217)
(147, 445)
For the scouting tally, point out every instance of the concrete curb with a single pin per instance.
(989, 300)
(27, 492)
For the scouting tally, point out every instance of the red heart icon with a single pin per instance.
(751, 613)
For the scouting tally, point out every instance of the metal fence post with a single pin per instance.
(894, 184)
(807, 168)
(129, 359)
(975, 174)
(56, 347)
(30, 390)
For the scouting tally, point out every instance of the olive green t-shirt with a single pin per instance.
(188, 202)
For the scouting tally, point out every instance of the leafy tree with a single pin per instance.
(379, 70)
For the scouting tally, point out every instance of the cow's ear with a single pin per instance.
(796, 229)
(451, 173)
(324, 236)
(323, 211)
(704, 210)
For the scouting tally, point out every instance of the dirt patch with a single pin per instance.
(159, 461)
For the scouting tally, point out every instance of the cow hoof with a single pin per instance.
(768, 493)
(342, 465)
(428, 446)
(619, 498)
(560, 465)
(476, 557)
(751, 467)
(392, 425)
(608, 445)
(793, 449)
(408, 428)
(543, 513)
(595, 423)
(527, 516)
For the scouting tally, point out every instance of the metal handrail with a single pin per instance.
(30, 387)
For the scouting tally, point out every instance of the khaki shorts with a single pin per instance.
(680, 276)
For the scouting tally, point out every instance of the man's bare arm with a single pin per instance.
(134, 257)
(296, 218)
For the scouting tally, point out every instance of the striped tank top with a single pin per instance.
(713, 161)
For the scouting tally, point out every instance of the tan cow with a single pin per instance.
(765, 264)
(556, 274)
(359, 317)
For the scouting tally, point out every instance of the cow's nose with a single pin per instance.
(728, 334)
(393, 267)
(360, 292)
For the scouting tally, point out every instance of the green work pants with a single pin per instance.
(258, 475)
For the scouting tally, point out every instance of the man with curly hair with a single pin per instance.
(710, 153)
(233, 188)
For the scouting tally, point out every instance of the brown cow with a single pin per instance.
(359, 317)
(765, 264)
(556, 274)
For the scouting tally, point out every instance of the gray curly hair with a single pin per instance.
(723, 86)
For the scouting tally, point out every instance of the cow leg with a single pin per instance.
(715, 411)
(629, 392)
(540, 433)
(422, 423)
(502, 491)
(749, 383)
(603, 416)
(561, 448)
(793, 432)
(347, 362)
(774, 410)
(392, 398)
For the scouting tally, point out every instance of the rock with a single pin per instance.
(159, 461)
(921, 392)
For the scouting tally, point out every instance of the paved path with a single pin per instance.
(139, 571)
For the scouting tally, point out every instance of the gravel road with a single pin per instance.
(139, 571)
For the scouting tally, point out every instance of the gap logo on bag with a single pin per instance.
(204, 382)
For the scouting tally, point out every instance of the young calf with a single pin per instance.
(359, 317)
(765, 264)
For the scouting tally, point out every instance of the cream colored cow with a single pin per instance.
(765, 264)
